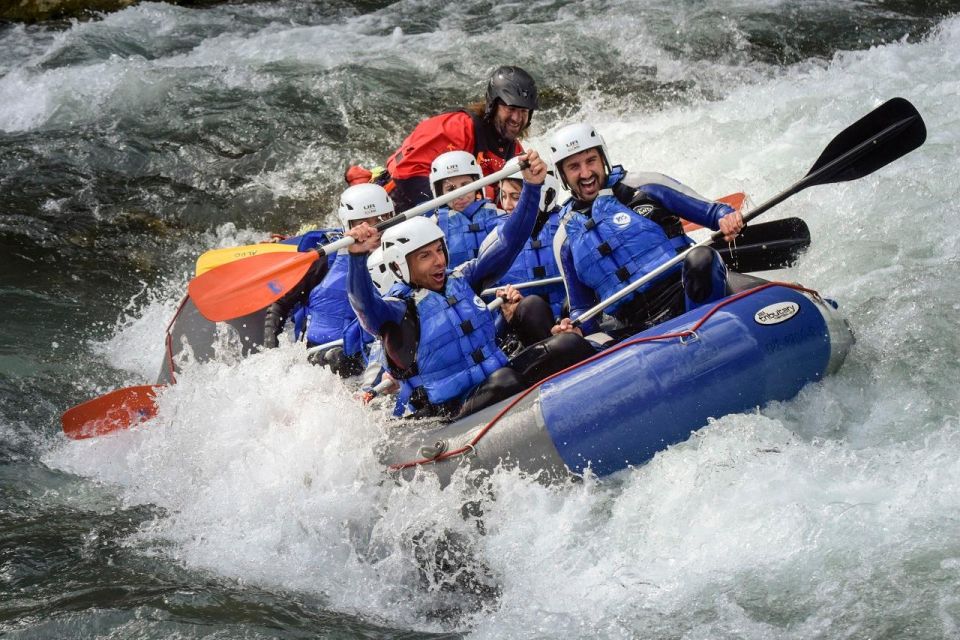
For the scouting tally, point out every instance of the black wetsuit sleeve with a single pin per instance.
(278, 312)
(390, 319)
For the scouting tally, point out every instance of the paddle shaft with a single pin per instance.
(525, 285)
(819, 175)
(512, 167)
(323, 347)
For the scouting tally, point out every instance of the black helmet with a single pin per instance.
(514, 87)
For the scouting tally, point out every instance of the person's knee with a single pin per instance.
(552, 355)
(704, 276)
(569, 348)
(532, 320)
(499, 385)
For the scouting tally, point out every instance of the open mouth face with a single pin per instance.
(585, 173)
(428, 266)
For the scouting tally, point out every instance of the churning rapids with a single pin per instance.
(255, 506)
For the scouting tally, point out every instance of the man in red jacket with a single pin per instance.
(489, 130)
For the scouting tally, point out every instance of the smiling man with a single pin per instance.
(438, 336)
(612, 235)
(489, 130)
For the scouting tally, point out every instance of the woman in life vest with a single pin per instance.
(537, 260)
(468, 220)
(323, 291)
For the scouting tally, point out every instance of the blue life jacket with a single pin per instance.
(312, 239)
(680, 242)
(328, 310)
(465, 230)
(615, 246)
(457, 348)
(356, 341)
(536, 262)
(306, 242)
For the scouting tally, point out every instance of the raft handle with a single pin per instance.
(431, 453)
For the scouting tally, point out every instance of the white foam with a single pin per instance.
(818, 517)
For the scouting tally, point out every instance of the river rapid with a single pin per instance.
(255, 506)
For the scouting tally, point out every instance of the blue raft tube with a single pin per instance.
(622, 406)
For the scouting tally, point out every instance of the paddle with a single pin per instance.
(120, 409)
(890, 131)
(216, 257)
(760, 247)
(244, 286)
(765, 246)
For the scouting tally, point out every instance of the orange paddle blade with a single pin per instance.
(239, 288)
(735, 200)
(115, 411)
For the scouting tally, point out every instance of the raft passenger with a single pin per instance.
(438, 336)
(613, 234)
(323, 291)
(537, 260)
(468, 220)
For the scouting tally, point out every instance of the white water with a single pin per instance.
(835, 514)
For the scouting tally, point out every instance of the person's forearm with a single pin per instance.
(372, 310)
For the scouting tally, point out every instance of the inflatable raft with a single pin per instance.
(622, 406)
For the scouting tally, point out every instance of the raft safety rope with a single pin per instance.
(168, 341)
(471, 447)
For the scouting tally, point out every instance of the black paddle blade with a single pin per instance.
(890, 131)
(766, 246)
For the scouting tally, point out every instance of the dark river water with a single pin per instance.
(256, 507)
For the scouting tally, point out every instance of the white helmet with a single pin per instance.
(403, 239)
(572, 139)
(362, 201)
(450, 164)
(383, 278)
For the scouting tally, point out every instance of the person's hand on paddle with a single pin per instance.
(366, 238)
(730, 225)
(537, 171)
(565, 326)
(511, 298)
(387, 386)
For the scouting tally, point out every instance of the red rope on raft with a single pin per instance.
(471, 446)
(168, 341)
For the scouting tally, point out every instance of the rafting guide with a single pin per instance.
(489, 130)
